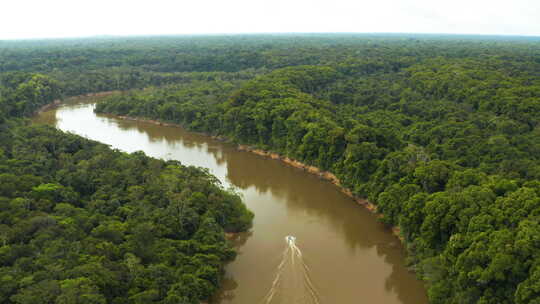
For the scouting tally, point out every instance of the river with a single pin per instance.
(351, 257)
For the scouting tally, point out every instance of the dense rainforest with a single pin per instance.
(82, 223)
(439, 132)
(442, 135)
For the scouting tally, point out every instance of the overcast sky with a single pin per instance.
(74, 18)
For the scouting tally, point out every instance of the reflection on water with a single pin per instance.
(352, 257)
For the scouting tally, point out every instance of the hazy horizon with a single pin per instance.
(32, 19)
(376, 34)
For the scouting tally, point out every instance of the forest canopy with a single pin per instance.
(441, 133)
(82, 223)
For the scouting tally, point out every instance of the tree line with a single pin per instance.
(82, 223)
(443, 140)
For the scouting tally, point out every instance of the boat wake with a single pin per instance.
(292, 283)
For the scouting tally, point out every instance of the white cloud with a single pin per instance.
(69, 18)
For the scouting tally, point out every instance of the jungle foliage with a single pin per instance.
(442, 134)
(82, 223)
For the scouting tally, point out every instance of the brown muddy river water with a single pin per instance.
(339, 253)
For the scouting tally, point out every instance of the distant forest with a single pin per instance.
(441, 133)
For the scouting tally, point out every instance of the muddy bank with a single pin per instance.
(156, 122)
(285, 201)
(325, 175)
(48, 106)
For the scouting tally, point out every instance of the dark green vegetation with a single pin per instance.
(92, 65)
(442, 134)
(81, 223)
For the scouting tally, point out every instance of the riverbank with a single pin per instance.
(48, 107)
(285, 200)
(58, 102)
(325, 175)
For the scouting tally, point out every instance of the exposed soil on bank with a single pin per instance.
(48, 107)
(341, 241)
(325, 175)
